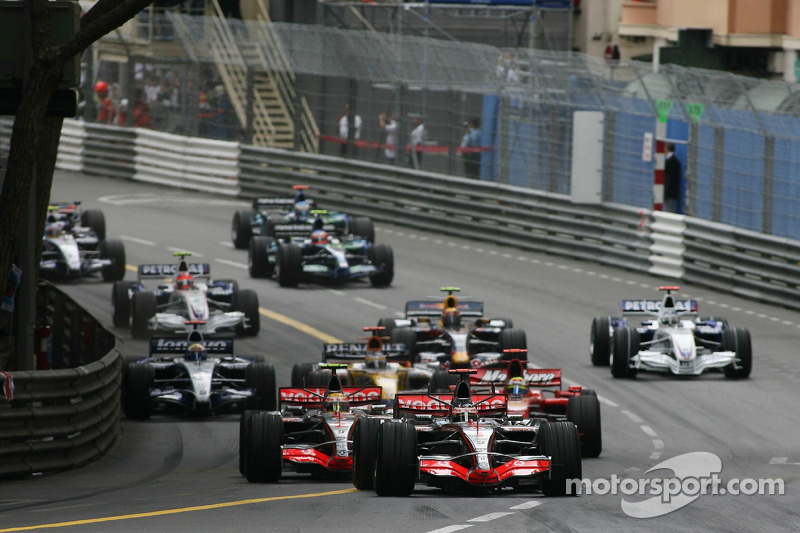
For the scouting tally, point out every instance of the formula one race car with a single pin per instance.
(537, 392)
(185, 294)
(312, 432)
(362, 364)
(270, 212)
(464, 440)
(196, 375)
(453, 334)
(673, 340)
(298, 253)
(75, 245)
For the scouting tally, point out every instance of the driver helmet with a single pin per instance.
(196, 352)
(451, 318)
(320, 238)
(517, 388)
(336, 402)
(301, 209)
(375, 360)
(184, 281)
(464, 413)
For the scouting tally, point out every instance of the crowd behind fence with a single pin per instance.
(737, 137)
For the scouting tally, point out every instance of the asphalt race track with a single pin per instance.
(181, 474)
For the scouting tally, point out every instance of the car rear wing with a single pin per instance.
(434, 308)
(160, 346)
(312, 397)
(534, 377)
(652, 307)
(489, 404)
(285, 231)
(351, 352)
(169, 270)
(278, 204)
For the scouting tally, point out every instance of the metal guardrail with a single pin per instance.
(63, 418)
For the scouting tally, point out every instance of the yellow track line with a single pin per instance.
(179, 510)
(296, 324)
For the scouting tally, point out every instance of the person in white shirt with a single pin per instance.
(389, 126)
(344, 130)
(417, 139)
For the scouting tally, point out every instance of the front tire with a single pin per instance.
(258, 257)
(626, 346)
(600, 341)
(382, 257)
(138, 379)
(113, 249)
(738, 340)
(397, 460)
(143, 308)
(246, 301)
(290, 265)
(301, 373)
(365, 451)
(95, 219)
(242, 228)
(263, 457)
(121, 304)
(364, 228)
(513, 339)
(560, 441)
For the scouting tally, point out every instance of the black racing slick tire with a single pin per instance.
(364, 228)
(397, 459)
(387, 324)
(260, 377)
(600, 341)
(121, 304)
(138, 379)
(408, 337)
(301, 373)
(560, 441)
(114, 250)
(382, 257)
(289, 265)
(263, 456)
(626, 346)
(513, 339)
(442, 380)
(584, 412)
(318, 378)
(143, 308)
(246, 301)
(244, 422)
(95, 219)
(738, 340)
(242, 228)
(365, 450)
(258, 257)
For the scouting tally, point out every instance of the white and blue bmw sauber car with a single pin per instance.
(672, 340)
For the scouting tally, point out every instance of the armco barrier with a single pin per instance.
(669, 246)
(59, 419)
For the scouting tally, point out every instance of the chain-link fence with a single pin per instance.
(738, 138)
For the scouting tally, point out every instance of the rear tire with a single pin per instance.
(258, 257)
(560, 441)
(143, 308)
(600, 341)
(513, 339)
(442, 380)
(397, 459)
(246, 301)
(290, 265)
(738, 340)
(584, 412)
(387, 324)
(365, 451)
(364, 228)
(382, 257)
(319, 378)
(121, 304)
(301, 373)
(113, 249)
(242, 228)
(263, 457)
(260, 377)
(626, 346)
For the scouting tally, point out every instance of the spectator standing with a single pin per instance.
(389, 127)
(470, 145)
(345, 120)
(672, 180)
(417, 138)
(106, 110)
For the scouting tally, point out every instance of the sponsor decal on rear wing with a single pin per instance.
(487, 404)
(276, 203)
(651, 307)
(535, 377)
(180, 345)
(169, 270)
(435, 308)
(312, 397)
(299, 230)
(357, 351)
